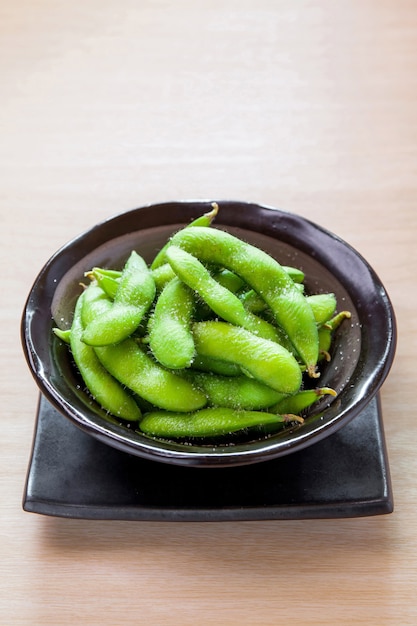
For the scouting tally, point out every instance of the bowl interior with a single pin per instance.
(363, 346)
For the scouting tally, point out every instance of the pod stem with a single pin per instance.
(290, 417)
(312, 371)
(214, 210)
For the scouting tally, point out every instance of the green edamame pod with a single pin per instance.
(326, 333)
(136, 282)
(209, 422)
(162, 275)
(301, 400)
(266, 276)
(96, 302)
(253, 302)
(132, 300)
(105, 271)
(229, 279)
(265, 360)
(108, 393)
(323, 306)
(294, 273)
(64, 335)
(215, 366)
(220, 299)
(203, 221)
(108, 280)
(236, 392)
(170, 337)
(135, 369)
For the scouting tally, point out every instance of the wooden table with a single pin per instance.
(308, 106)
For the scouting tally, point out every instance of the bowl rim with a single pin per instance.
(312, 239)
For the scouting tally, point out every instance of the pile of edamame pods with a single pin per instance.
(213, 337)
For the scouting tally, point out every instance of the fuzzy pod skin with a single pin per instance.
(95, 303)
(326, 333)
(107, 391)
(162, 275)
(301, 400)
(229, 279)
(109, 279)
(220, 299)
(203, 221)
(170, 337)
(323, 306)
(134, 296)
(266, 276)
(209, 422)
(267, 361)
(140, 373)
(236, 392)
(215, 366)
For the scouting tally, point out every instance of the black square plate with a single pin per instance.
(71, 474)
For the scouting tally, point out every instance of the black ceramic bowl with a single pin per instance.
(364, 346)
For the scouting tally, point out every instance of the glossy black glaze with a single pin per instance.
(73, 475)
(361, 362)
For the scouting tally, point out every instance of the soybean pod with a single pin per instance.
(220, 299)
(96, 302)
(326, 333)
(209, 422)
(323, 306)
(203, 221)
(301, 400)
(133, 298)
(130, 365)
(236, 392)
(215, 366)
(265, 360)
(170, 337)
(266, 276)
(103, 387)
(109, 279)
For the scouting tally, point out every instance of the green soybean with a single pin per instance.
(96, 302)
(64, 335)
(265, 360)
(253, 302)
(170, 337)
(323, 306)
(229, 279)
(301, 400)
(208, 422)
(108, 393)
(237, 392)
(203, 221)
(162, 275)
(326, 333)
(133, 298)
(108, 280)
(134, 368)
(266, 276)
(220, 299)
(294, 273)
(215, 365)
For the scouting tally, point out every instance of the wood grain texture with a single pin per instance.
(309, 106)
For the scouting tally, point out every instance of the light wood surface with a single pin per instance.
(308, 106)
